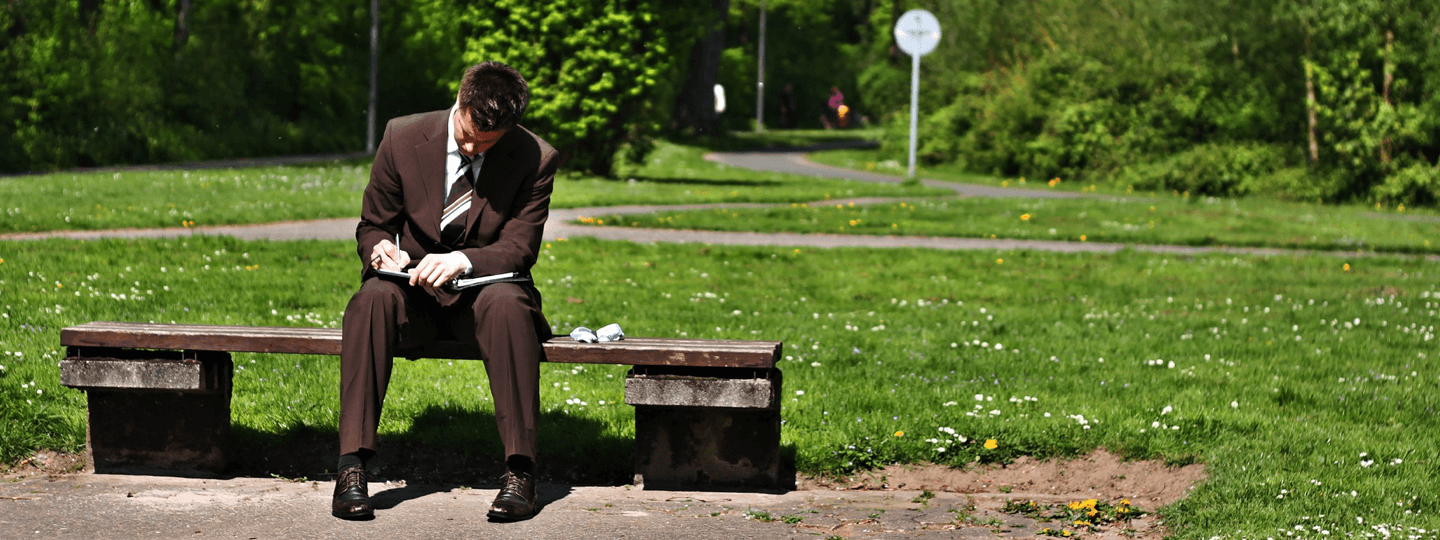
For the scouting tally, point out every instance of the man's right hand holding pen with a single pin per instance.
(386, 256)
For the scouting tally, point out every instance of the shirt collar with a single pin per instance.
(450, 145)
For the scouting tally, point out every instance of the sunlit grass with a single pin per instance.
(1136, 220)
(1306, 386)
(675, 173)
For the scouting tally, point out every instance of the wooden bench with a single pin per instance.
(706, 411)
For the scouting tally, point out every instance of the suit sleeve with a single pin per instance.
(382, 208)
(518, 244)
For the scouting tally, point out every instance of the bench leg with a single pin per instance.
(706, 429)
(693, 447)
(154, 412)
(165, 432)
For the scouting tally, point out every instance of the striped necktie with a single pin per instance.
(457, 205)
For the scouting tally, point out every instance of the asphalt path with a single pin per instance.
(792, 161)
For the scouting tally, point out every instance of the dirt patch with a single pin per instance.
(1099, 475)
(44, 463)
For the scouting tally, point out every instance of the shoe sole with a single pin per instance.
(363, 514)
(507, 517)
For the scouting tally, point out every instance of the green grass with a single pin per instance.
(1135, 220)
(1284, 375)
(673, 174)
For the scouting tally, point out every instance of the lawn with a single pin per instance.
(1306, 384)
(675, 173)
(1162, 219)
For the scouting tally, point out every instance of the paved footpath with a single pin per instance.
(132, 506)
(793, 162)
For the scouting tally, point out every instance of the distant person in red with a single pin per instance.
(836, 109)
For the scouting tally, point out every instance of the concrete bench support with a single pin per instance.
(159, 396)
(706, 428)
(153, 411)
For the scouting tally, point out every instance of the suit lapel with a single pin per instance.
(494, 182)
(431, 155)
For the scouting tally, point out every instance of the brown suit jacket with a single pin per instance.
(406, 194)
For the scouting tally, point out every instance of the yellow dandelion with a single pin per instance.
(899, 433)
(991, 444)
(999, 261)
(1082, 238)
(1347, 267)
(1024, 217)
(1125, 502)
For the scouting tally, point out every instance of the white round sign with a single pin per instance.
(917, 32)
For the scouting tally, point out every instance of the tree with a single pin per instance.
(595, 67)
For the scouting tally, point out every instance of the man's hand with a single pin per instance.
(436, 270)
(388, 257)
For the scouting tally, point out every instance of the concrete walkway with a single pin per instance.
(792, 162)
(131, 506)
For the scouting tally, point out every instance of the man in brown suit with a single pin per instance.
(465, 192)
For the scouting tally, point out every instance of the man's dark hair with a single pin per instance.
(495, 94)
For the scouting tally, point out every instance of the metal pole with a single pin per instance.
(374, 75)
(760, 86)
(914, 106)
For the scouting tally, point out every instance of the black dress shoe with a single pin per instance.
(516, 500)
(352, 495)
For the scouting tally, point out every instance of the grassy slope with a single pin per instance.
(1137, 220)
(674, 174)
(1285, 369)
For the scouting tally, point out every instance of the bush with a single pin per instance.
(1211, 169)
(1416, 184)
(594, 68)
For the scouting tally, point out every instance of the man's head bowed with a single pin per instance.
(495, 95)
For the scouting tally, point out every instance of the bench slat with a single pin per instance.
(279, 339)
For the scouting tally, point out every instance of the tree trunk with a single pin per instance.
(1310, 105)
(89, 13)
(695, 106)
(182, 27)
(1388, 82)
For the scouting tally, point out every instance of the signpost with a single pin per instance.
(760, 77)
(917, 33)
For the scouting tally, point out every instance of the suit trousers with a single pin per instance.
(503, 320)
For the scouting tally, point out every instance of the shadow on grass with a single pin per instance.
(446, 446)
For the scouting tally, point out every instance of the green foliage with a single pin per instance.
(1062, 115)
(1208, 169)
(594, 67)
(249, 79)
(809, 44)
(1103, 92)
(1416, 184)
